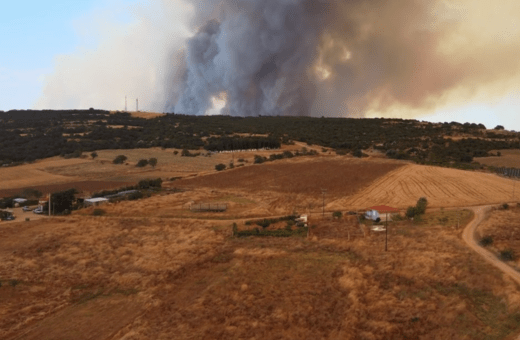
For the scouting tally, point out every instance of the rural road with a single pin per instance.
(469, 237)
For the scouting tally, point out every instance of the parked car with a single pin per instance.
(38, 211)
(26, 208)
(9, 218)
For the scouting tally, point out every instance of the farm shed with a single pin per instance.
(95, 201)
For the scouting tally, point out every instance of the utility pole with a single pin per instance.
(50, 195)
(386, 232)
(323, 192)
(137, 105)
(125, 104)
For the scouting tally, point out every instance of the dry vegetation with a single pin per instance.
(152, 269)
(155, 278)
(503, 226)
(508, 158)
(295, 185)
(442, 186)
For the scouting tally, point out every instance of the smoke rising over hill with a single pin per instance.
(298, 57)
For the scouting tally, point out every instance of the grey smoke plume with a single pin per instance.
(302, 57)
(337, 58)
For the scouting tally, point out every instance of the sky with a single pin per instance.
(39, 37)
(35, 33)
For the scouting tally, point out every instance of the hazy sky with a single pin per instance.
(43, 41)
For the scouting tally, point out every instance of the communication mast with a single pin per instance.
(125, 105)
(137, 104)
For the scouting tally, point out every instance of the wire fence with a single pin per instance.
(509, 172)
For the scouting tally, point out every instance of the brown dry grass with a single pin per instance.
(84, 187)
(62, 263)
(143, 114)
(442, 187)
(504, 227)
(508, 158)
(35, 173)
(183, 279)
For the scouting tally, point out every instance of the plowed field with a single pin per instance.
(340, 176)
(441, 186)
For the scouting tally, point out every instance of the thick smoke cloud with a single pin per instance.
(318, 57)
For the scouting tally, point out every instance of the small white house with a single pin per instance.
(95, 201)
(372, 215)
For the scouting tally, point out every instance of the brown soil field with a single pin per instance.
(508, 158)
(157, 278)
(504, 227)
(340, 176)
(442, 187)
(57, 170)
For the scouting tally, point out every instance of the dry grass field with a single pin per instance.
(153, 269)
(442, 187)
(296, 184)
(508, 158)
(503, 226)
(157, 278)
(36, 174)
(143, 114)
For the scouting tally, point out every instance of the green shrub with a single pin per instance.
(264, 223)
(135, 196)
(187, 153)
(421, 205)
(337, 214)
(259, 159)
(507, 255)
(220, 167)
(98, 212)
(411, 212)
(119, 159)
(505, 206)
(153, 162)
(142, 163)
(486, 241)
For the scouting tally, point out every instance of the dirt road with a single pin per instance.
(469, 237)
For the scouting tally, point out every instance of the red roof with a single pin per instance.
(384, 209)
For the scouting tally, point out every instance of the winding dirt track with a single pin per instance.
(469, 237)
